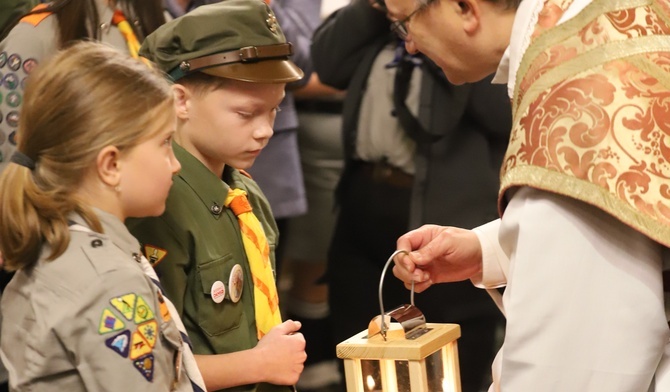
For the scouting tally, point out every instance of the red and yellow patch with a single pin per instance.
(139, 346)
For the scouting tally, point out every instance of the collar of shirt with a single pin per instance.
(524, 24)
(113, 229)
(210, 189)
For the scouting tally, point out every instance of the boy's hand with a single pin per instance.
(282, 351)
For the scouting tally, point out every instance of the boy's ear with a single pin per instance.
(108, 166)
(470, 13)
(182, 100)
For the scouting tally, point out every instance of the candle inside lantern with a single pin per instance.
(370, 383)
(447, 385)
(401, 354)
(372, 375)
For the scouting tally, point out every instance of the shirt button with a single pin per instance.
(215, 209)
(96, 243)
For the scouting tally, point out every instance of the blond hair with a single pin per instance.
(85, 98)
(201, 83)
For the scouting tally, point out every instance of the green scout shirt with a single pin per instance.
(197, 242)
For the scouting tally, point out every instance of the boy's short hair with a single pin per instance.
(200, 83)
(234, 39)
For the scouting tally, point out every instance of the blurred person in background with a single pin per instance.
(307, 237)
(48, 27)
(418, 150)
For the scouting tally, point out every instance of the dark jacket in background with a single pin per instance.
(455, 183)
(457, 177)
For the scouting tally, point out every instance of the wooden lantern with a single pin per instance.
(403, 353)
(426, 363)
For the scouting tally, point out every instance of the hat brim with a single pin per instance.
(266, 71)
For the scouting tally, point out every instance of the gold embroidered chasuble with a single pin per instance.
(592, 111)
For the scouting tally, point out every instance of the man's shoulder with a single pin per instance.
(37, 18)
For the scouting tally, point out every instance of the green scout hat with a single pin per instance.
(235, 39)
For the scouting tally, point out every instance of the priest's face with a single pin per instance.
(466, 38)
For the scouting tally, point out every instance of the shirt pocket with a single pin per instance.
(217, 318)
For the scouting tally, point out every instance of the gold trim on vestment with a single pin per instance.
(568, 29)
(555, 182)
(603, 54)
(592, 112)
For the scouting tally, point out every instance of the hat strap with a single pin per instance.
(247, 54)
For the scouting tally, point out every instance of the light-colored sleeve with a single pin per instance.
(495, 262)
(119, 337)
(584, 300)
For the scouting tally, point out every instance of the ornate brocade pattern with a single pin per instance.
(592, 112)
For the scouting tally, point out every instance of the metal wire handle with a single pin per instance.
(381, 285)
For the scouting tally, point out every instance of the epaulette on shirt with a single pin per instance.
(35, 19)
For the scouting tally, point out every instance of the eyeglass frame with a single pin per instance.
(399, 26)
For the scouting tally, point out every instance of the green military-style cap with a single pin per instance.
(235, 39)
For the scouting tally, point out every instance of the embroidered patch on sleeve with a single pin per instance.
(125, 304)
(148, 331)
(119, 343)
(154, 254)
(145, 365)
(142, 311)
(139, 346)
(109, 322)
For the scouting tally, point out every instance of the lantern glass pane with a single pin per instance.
(372, 375)
(402, 376)
(435, 372)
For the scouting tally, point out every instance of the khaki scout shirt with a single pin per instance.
(89, 321)
(195, 244)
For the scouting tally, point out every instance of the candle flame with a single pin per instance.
(371, 383)
(447, 386)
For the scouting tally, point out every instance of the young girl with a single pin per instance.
(94, 148)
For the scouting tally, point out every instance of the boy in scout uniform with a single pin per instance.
(213, 248)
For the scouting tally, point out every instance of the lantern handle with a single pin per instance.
(381, 285)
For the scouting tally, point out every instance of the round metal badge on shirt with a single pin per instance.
(236, 283)
(218, 291)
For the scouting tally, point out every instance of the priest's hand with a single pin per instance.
(437, 254)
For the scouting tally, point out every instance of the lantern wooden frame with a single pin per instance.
(402, 336)
(439, 337)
